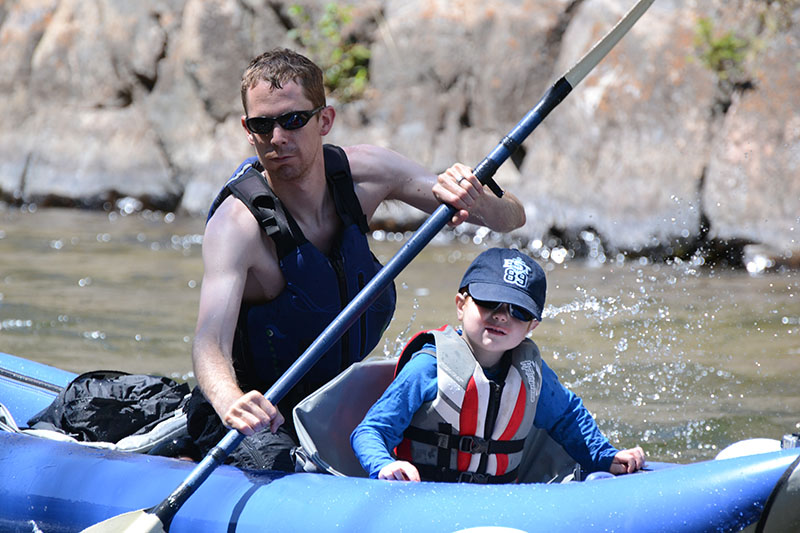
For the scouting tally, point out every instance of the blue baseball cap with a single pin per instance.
(508, 276)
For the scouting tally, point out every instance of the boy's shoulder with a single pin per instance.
(421, 364)
(424, 340)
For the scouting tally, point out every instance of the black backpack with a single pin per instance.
(106, 405)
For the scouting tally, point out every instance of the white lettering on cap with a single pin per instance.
(516, 272)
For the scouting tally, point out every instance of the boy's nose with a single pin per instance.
(501, 311)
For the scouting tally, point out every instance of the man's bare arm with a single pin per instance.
(228, 249)
(382, 174)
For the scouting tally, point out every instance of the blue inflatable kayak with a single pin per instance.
(52, 486)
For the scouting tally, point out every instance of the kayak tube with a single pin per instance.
(53, 486)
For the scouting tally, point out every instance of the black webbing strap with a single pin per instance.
(443, 453)
(463, 443)
(337, 170)
(254, 192)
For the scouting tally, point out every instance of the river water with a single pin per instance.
(678, 359)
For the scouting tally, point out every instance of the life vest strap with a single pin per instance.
(464, 443)
(253, 191)
(337, 170)
(250, 186)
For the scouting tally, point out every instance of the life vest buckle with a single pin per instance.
(472, 477)
(472, 444)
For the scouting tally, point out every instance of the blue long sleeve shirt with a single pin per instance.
(560, 412)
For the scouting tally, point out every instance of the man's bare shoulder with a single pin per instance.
(372, 164)
(232, 216)
(382, 174)
(235, 243)
(233, 230)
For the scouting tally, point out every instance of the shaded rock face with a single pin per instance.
(752, 184)
(103, 99)
(623, 155)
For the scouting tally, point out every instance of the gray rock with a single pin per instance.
(106, 99)
(752, 186)
(624, 152)
(119, 155)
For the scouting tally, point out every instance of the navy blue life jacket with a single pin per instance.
(270, 336)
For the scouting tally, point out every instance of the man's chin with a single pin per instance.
(283, 172)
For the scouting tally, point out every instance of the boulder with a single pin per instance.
(92, 156)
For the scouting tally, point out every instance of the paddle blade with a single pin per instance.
(604, 45)
(133, 522)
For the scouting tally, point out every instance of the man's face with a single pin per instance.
(286, 154)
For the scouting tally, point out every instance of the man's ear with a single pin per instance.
(326, 118)
(532, 325)
(250, 138)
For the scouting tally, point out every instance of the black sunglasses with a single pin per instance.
(293, 120)
(514, 310)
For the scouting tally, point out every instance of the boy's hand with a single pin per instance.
(399, 471)
(628, 461)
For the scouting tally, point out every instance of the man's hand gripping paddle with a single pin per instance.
(158, 518)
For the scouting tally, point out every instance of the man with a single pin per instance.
(284, 250)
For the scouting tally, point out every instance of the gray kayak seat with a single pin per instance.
(325, 419)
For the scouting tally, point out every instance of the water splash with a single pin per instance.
(661, 368)
(393, 347)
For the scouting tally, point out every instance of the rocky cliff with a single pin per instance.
(685, 138)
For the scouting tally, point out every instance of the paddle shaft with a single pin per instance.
(485, 171)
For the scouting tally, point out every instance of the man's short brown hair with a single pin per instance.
(281, 65)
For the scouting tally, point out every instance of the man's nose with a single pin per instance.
(278, 135)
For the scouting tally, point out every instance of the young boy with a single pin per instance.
(463, 402)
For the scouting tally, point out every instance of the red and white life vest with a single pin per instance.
(449, 438)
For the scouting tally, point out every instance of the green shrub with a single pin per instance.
(343, 61)
(723, 55)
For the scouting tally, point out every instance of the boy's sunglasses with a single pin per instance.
(514, 310)
(293, 120)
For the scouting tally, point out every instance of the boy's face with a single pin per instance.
(490, 332)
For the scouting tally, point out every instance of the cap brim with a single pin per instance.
(504, 293)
